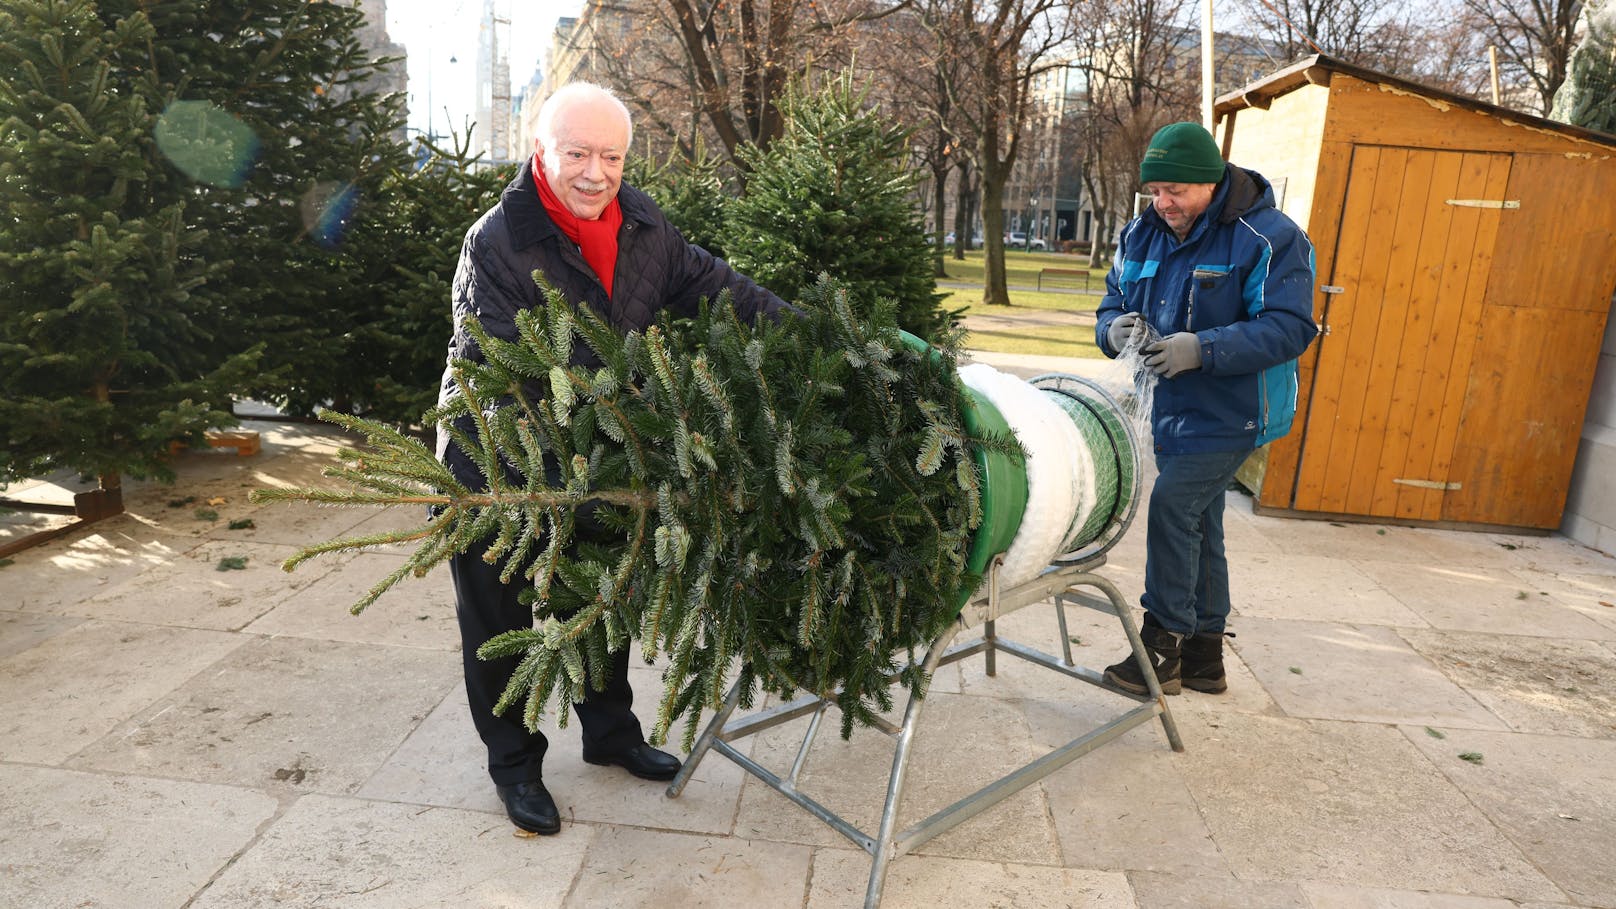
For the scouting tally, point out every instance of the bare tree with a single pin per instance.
(1534, 40)
(1372, 33)
(1137, 82)
(1005, 44)
(1452, 57)
(725, 62)
(917, 78)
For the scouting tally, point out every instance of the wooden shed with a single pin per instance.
(1466, 264)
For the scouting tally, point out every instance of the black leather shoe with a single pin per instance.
(530, 807)
(642, 760)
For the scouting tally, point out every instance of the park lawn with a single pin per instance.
(1047, 340)
(1020, 268)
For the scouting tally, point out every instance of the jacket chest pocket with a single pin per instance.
(1212, 298)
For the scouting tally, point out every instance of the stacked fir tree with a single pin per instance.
(172, 177)
(835, 195)
(688, 189)
(787, 504)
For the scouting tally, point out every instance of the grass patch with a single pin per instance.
(1020, 267)
(1036, 336)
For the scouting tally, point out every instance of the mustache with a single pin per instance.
(590, 187)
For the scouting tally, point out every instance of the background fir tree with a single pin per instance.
(398, 263)
(181, 179)
(109, 337)
(292, 77)
(689, 191)
(835, 195)
(791, 502)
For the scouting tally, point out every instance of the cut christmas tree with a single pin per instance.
(795, 506)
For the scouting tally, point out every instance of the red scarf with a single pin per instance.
(596, 239)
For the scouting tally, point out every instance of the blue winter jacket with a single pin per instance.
(1242, 281)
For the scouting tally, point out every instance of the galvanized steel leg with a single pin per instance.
(704, 742)
(1125, 615)
(1066, 636)
(885, 850)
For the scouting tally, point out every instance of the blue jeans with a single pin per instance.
(1186, 574)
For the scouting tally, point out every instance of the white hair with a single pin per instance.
(571, 93)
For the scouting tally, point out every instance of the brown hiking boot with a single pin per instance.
(1164, 648)
(1202, 668)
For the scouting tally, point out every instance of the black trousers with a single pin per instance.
(486, 608)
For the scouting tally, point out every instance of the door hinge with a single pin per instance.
(1486, 203)
(1428, 484)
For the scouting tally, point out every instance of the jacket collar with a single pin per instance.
(529, 223)
(1239, 193)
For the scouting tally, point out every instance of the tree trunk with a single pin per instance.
(939, 196)
(995, 290)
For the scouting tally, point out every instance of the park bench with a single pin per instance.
(1064, 272)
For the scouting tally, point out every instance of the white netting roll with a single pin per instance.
(1060, 471)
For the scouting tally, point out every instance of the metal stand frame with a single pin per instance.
(1058, 582)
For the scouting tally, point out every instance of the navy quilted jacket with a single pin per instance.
(656, 270)
(1242, 281)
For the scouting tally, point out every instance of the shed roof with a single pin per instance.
(1317, 69)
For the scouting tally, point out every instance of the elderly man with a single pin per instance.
(1216, 286)
(605, 245)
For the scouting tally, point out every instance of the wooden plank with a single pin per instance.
(1372, 114)
(1454, 265)
(1365, 281)
(1426, 326)
(1455, 401)
(1327, 193)
(1391, 329)
(1562, 251)
(1320, 417)
(1523, 416)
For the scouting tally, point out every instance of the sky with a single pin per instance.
(435, 31)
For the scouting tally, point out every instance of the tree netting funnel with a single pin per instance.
(1074, 494)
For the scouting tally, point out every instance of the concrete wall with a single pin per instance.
(1590, 515)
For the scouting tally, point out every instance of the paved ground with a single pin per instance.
(1417, 719)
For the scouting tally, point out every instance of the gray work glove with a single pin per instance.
(1125, 328)
(1174, 354)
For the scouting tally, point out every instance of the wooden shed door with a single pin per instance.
(1389, 381)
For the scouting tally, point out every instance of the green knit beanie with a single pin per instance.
(1181, 153)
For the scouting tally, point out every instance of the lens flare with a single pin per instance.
(206, 144)
(327, 210)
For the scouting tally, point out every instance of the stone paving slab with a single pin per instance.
(1492, 600)
(417, 612)
(626, 868)
(65, 571)
(339, 853)
(1274, 585)
(196, 589)
(70, 690)
(1365, 673)
(1157, 890)
(88, 839)
(841, 877)
(1553, 797)
(1343, 896)
(22, 631)
(285, 715)
(1548, 687)
(1125, 806)
(1347, 803)
(965, 743)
